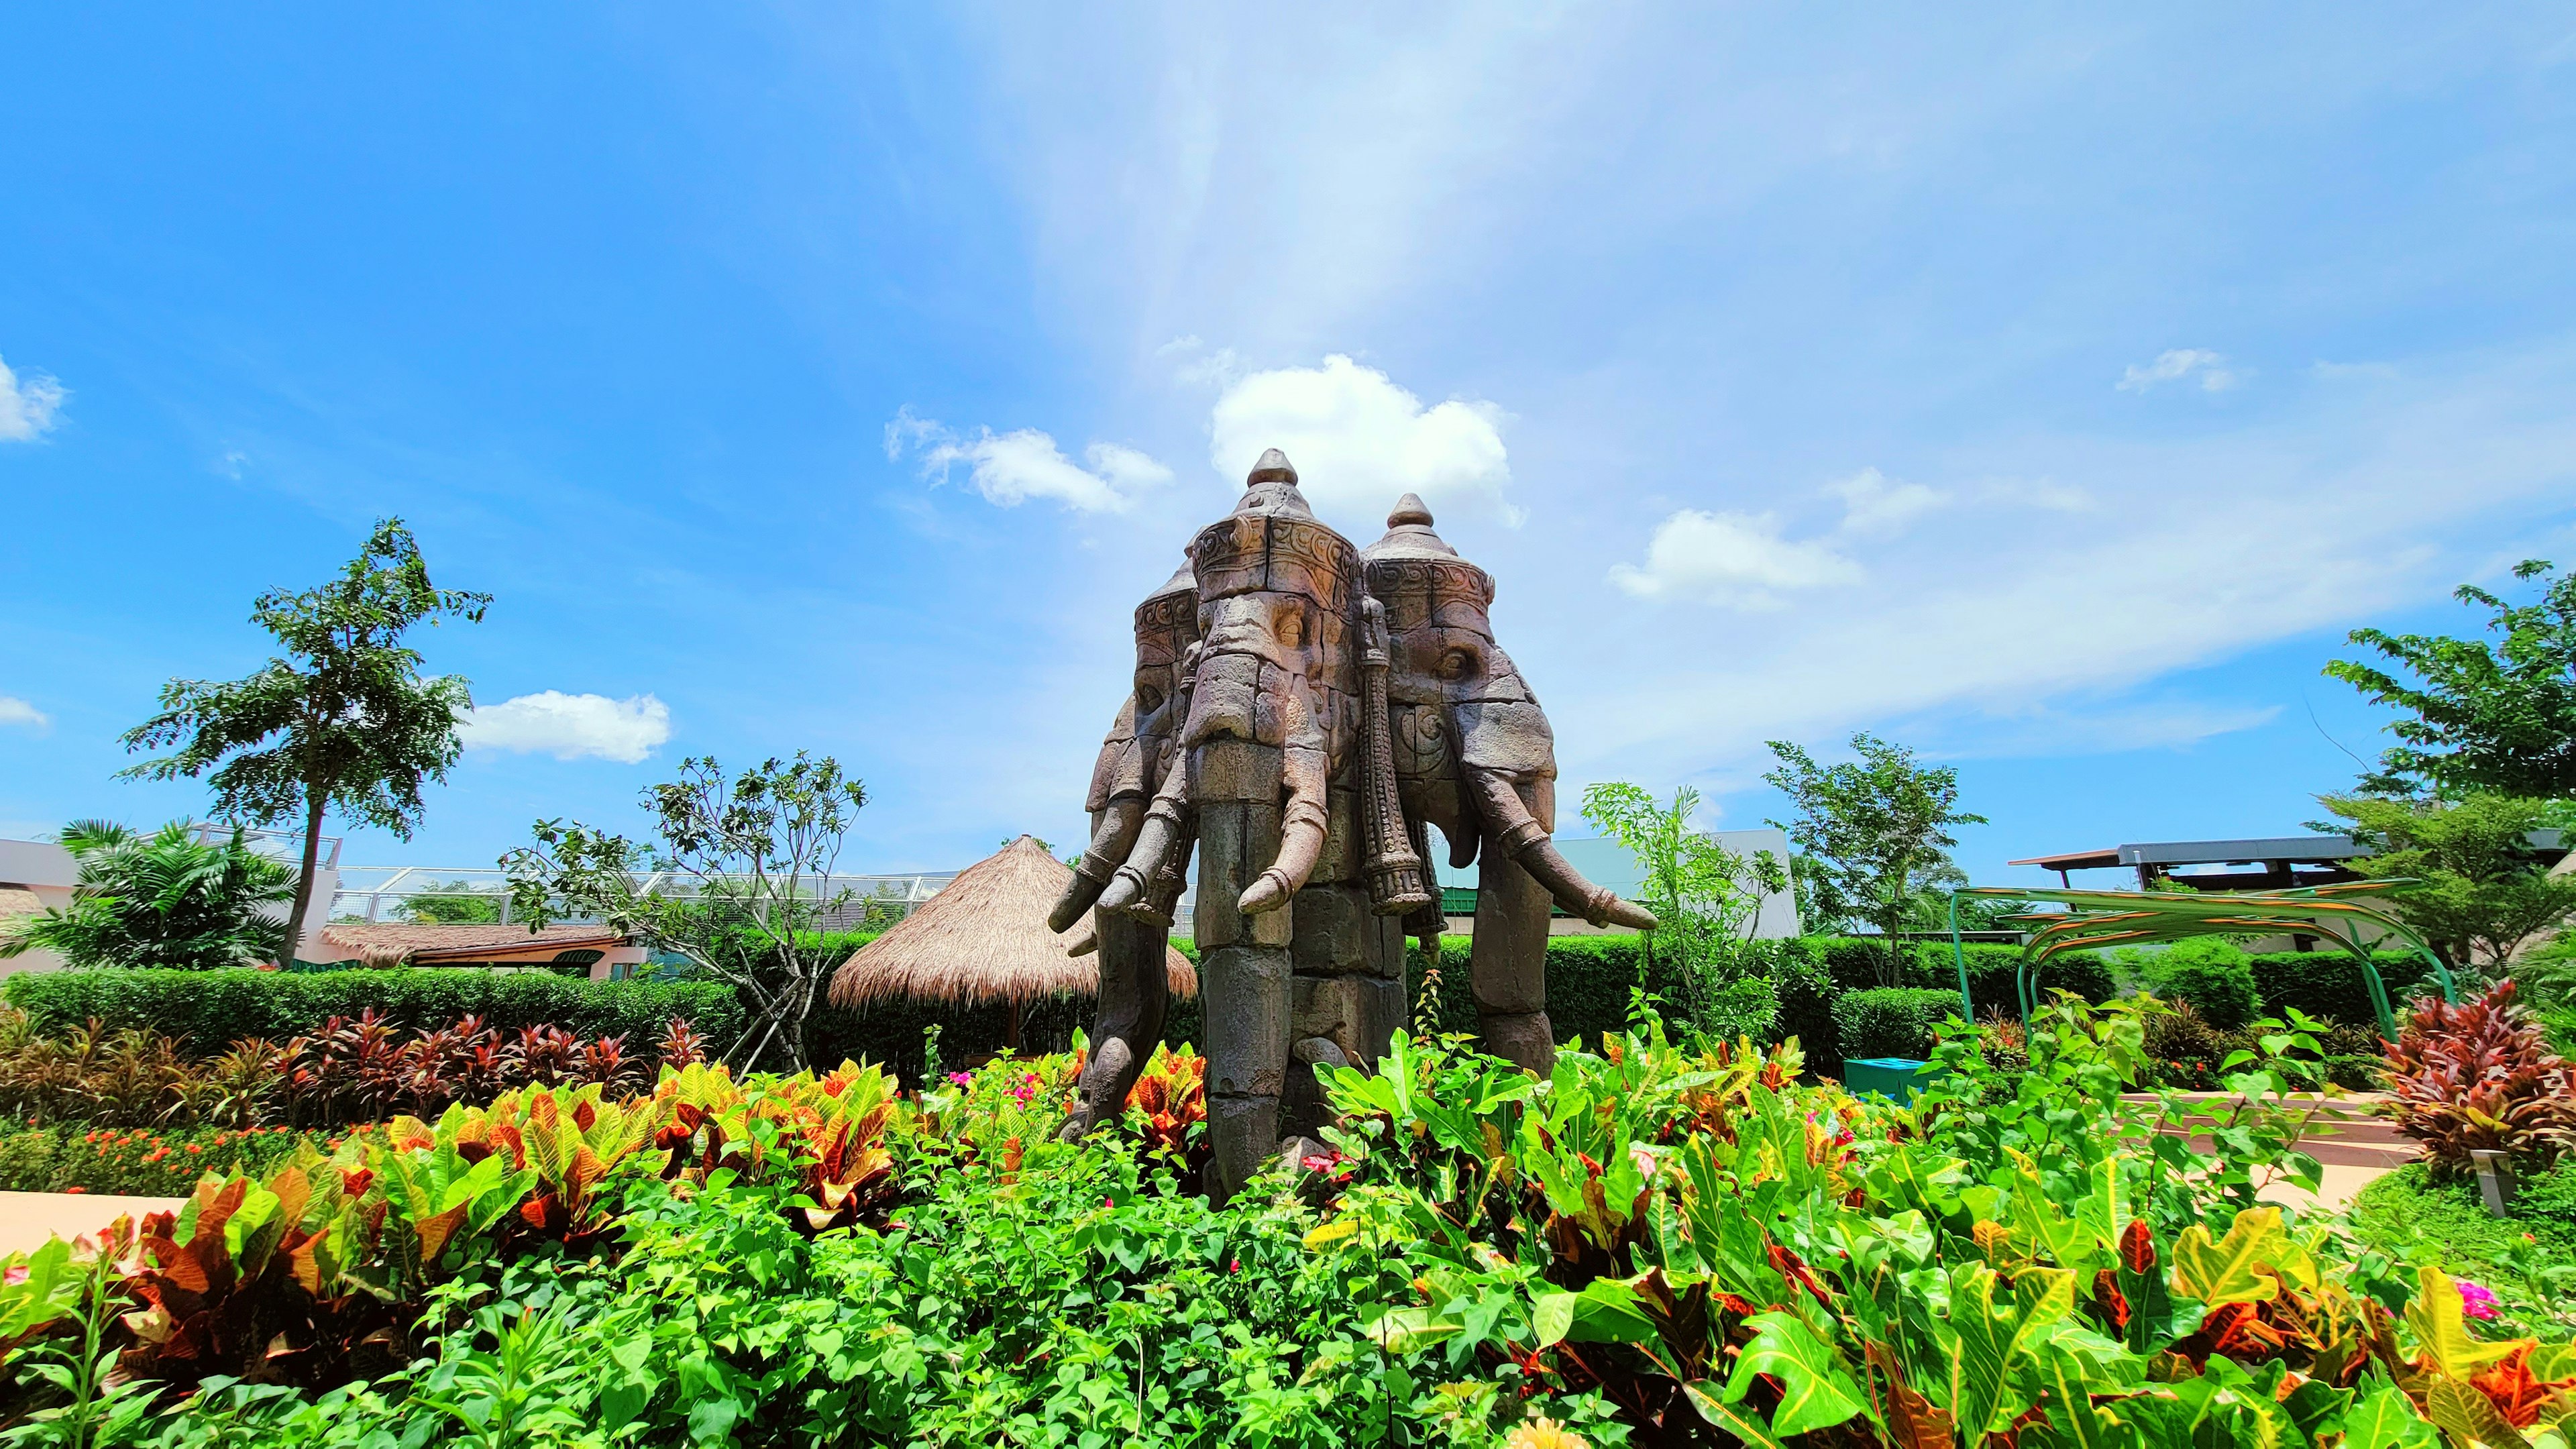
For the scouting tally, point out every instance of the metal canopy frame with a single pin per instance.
(2105, 918)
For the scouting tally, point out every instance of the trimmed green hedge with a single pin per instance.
(210, 1010)
(1892, 1021)
(2328, 984)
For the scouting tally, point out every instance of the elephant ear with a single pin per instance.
(1508, 736)
(1120, 770)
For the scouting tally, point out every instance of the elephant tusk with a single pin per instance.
(1526, 841)
(1119, 823)
(1085, 938)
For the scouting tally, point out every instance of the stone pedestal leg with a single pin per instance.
(1135, 993)
(1509, 962)
(1348, 993)
(1243, 964)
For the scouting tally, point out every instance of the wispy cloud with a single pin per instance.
(571, 726)
(1874, 505)
(16, 711)
(27, 404)
(1360, 441)
(1737, 560)
(2178, 364)
(1011, 468)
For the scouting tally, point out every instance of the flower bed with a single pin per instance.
(139, 1162)
(1654, 1246)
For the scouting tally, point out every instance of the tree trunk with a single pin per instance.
(313, 802)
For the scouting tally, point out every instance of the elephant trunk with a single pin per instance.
(1160, 842)
(1526, 841)
(1303, 772)
(1119, 823)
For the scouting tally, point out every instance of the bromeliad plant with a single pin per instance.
(2023, 1259)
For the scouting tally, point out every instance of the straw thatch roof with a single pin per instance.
(392, 943)
(984, 939)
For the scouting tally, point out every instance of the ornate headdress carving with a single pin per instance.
(1273, 541)
(1421, 579)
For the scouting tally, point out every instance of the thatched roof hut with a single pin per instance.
(984, 939)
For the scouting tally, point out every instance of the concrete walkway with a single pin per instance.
(27, 1219)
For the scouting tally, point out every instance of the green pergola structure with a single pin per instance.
(2115, 918)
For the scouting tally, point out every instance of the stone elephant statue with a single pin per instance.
(1269, 739)
(1474, 756)
(1134, 992)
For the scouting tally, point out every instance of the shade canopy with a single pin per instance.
(984, 939)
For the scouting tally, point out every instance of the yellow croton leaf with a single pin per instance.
(2246, 1266)
(2442, 1330)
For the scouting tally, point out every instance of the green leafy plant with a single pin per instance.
(167, 899)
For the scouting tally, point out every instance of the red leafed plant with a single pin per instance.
(255, 1281)
(1172, 1094)
(2480, 1076)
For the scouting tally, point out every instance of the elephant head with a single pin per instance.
(1473, 751)
(1271, 690)
(1138, 751)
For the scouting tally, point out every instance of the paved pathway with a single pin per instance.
(27, 1219)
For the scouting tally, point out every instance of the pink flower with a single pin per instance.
(1317, 1163)
(15, 1275)
(2477, 1300)
(1234, 1266)
(961, 1079)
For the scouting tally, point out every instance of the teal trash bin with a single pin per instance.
(1898, 1079)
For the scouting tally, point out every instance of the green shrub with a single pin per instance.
(2210, 973)
(210, 1010)
(1856, 963)
(1891, 1021)
(2328, 985)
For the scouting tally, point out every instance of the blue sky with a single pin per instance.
(2048, 390)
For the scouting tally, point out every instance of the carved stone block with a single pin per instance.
(1245, 990)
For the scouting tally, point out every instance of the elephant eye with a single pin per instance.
(1457, 663)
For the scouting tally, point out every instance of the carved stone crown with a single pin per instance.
(1175, 604)
(1414, 572)
(1273, 541)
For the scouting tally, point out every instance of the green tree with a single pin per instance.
(1706, 897)
(736, 883)
(2498, 718)
(2479, 890)
(167, 899)
(1873, 835)
(343, 721)
(453, 903)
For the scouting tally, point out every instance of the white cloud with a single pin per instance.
(1012, 468)
(1360, 442)
(570, 726)
(1735, 559)
(16, 711)
(27, 405)
(2179, 363)
(1873, 505)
